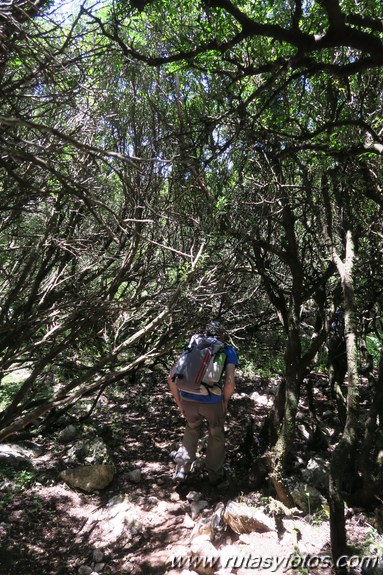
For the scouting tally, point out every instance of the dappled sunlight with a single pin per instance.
(50, 528)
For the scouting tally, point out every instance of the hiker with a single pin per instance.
(209, 404)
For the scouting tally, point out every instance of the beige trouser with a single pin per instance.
(195, 413)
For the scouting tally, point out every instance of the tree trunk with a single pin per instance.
(344, 452)
(295, 364)
(286, 435)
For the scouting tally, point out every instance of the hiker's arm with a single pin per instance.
(175, 392)
(229, 386)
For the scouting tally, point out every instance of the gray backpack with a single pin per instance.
(199, 367)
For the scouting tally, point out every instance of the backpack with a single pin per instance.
(200, 366)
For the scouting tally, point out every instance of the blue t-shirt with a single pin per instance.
(231, 355)
(231, 358)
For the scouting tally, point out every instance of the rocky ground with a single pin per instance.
(140, 522)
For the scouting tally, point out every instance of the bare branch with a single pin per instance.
(335, 16)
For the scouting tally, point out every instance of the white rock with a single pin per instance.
(97, 556)
(307, 497)
(85, 570)
(194, 496)
(316, 472)
(188, 522)
(135, 475)
(88, 477)
(197, 506)
(245, 519)
(203, 530)
(305, 433)
(68, 434)
(217, 517)
(260, 399)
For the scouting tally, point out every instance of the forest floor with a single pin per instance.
(47, 528)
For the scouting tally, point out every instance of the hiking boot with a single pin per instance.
(223, 481)
(220, 484)
(223, 485)
(180, 475)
